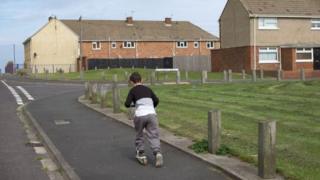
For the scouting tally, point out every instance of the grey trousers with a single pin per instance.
(150, 124)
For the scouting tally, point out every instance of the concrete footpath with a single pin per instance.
(99, 147)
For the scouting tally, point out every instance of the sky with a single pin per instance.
(19, 19)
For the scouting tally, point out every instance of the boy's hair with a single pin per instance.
(135, 77)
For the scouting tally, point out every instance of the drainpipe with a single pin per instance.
(280, 58)
(137, 49)
(199, 46)
(254, 44)
(109, 47)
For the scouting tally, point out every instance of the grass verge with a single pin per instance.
(294, 105)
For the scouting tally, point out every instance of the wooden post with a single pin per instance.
(115, 94)
(94, 98)
(229, 75)
(225, 75)
(178, 77)
(302, 74)
(131, 112)
(214, 130)
(81, 74)
(46, 71)
(103, 95)
(126, 76)
(165, 76)
(103, 74)
(187, 75)
(267, 150)
(90, 91)
(204, 75)
(254, 75)
(152, 78)
(86, 90)
(261, 74)
(243, 74)
(157, 76)
(279, 75)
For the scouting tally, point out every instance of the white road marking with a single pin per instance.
(29, 97)
(14, 93)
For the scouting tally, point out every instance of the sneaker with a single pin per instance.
(142, 158)
(159, 160)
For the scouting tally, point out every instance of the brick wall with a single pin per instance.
(239, 58)
(232, 58)
(296, 74)
(143, 50)
(305, 65)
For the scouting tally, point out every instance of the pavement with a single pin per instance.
(98, 147)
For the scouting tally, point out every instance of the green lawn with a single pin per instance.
(295, 105)
(107, 75)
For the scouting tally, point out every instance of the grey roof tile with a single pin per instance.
(283, 7)
(118, 30)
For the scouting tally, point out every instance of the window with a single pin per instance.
(268, 55)
(182, 44)
(129, 44)
(113, 45)
(268, 23)
(196, 44)
(96, 45)
(210, 45)
(315, 24)
(304, 54)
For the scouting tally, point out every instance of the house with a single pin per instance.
(113, 43)
(269, 35)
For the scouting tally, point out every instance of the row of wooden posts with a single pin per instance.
(266, 143)
(94, 91)
(228, 75)
(267, 129)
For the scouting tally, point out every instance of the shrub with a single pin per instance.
(22, 72)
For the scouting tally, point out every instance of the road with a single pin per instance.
(17, 161)
(98, 147)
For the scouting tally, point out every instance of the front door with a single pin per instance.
(316, 57)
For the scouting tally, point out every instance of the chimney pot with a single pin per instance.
(168, 21)
(129, 20)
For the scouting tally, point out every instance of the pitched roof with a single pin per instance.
(118, 30)
(286, 8)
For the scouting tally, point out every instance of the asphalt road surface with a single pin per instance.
(97, 147)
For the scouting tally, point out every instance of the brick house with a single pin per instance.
(269, 35)
(103, 40)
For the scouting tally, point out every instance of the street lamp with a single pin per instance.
(80, 61)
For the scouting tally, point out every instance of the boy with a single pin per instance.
(145, 117)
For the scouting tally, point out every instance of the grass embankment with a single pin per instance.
(107, 74)
(295, 105)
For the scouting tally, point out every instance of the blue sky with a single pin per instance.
(21, 18)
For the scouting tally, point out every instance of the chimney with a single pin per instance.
(52, 17)
(129, 21)
(168, 21)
